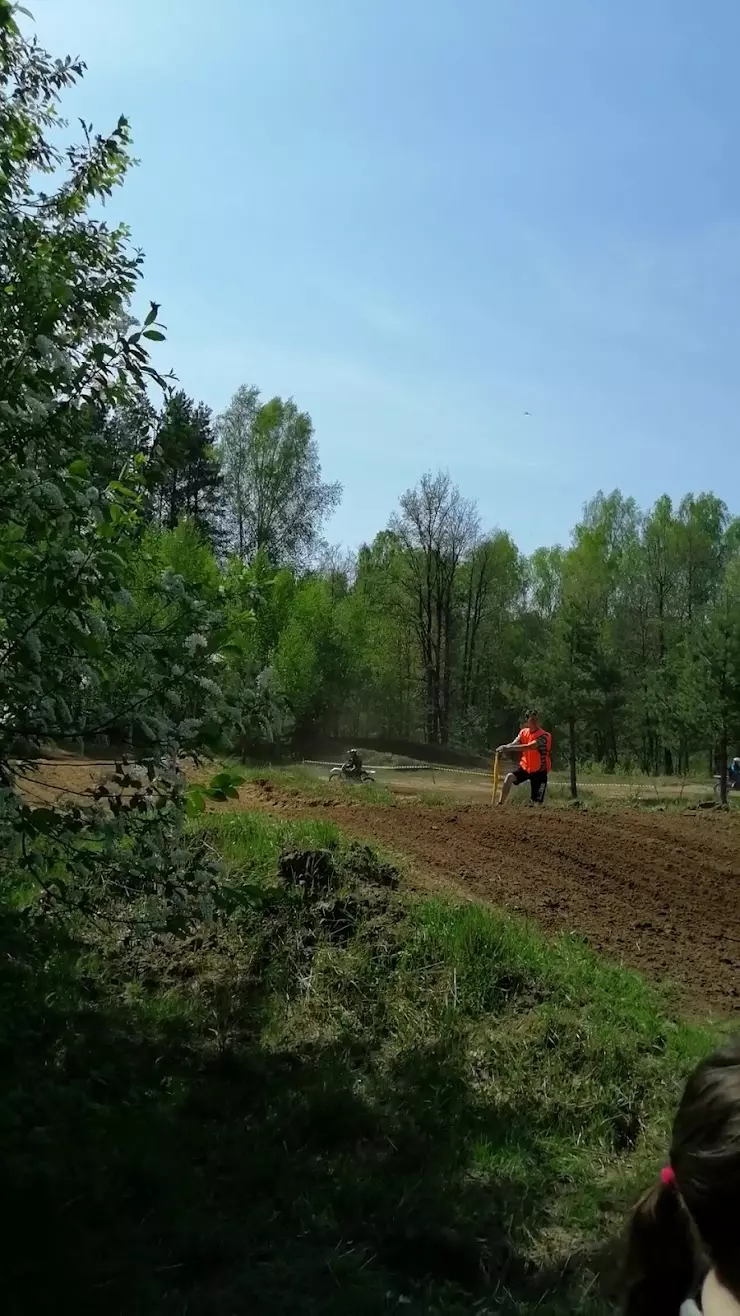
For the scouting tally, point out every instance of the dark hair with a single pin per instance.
(530, 713)
(680, 1229)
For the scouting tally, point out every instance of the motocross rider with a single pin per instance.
(353, 763)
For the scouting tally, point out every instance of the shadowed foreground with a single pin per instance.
(334, 1102)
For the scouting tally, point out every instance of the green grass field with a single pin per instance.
(339, 1099)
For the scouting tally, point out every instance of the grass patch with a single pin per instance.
(250, 843)
(338, 1100)
(314, 783)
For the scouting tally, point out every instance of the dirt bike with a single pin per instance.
(731, 786)
(350, 774)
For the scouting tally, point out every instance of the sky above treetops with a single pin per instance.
(497, 238)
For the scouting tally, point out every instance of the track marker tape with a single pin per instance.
(402, 767)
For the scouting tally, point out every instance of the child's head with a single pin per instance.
(692, 1215)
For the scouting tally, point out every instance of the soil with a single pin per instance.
(62, 778)
(658, 892)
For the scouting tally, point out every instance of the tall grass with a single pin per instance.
(336, 1100)
(250, 843)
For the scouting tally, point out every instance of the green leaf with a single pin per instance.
(194, 802)
(79, 467)
(225, 781)
(154, 335)
(115, 486)
(112, 561)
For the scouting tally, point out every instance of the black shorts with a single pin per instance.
(537, 783)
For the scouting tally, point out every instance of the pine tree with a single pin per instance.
(184, 476)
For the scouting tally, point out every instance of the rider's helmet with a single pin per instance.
(736, 762)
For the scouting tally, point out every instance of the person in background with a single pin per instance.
(353, 763)
(683, 1252)
(535, 745)
(733, 775)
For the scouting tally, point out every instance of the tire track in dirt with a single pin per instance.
(659, 892)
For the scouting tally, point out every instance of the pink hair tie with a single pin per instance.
(668, 1176)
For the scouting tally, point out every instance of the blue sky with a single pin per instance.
(424, 218)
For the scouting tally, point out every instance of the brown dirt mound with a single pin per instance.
(659, 892)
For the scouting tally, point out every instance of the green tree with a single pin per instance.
(67, 281)
(183, 475)
(278, 502)
(391, 700)
(719, 666)
(119, 438)
(491, 595)
(437, 529)
(603, 542)
(313, 659)
(69, 354)
(559, 672)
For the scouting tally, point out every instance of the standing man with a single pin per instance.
(534, 764)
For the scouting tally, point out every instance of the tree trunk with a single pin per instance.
(467, 661)
(572, 757)
(431, 709)
(613, 748)
(473, 616)
(723, 764)
(173, 501)
(438, 651)
(447, 678)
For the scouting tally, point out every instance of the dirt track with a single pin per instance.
(660, 892)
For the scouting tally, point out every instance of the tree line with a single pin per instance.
(439, 630)
(628, 638)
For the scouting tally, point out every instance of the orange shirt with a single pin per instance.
(536, 759)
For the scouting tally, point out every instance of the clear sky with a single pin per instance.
(424, 218)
